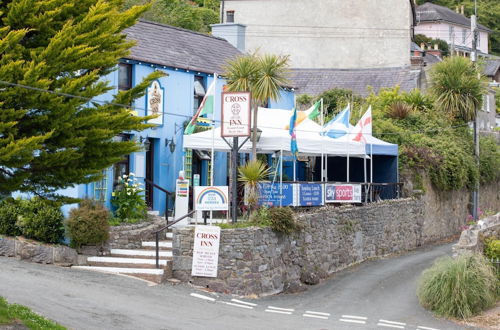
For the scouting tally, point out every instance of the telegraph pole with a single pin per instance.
(475, 193)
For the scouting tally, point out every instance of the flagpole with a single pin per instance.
(371, 169)
(212, 160)
(322, 144)
(348, 144)
(281, 178)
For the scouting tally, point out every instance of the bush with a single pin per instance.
(88, 224)
(458, 287)
(128, 200)
(10, 210)
(41, 220)
(492, 249)
(282, 220)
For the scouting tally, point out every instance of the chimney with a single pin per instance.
(234, 33)
(456, 9)
(462, 10)
(422, 45)
(436, 51)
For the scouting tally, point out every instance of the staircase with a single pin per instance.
(139, 263)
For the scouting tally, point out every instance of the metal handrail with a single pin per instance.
(166, 197)
(157, 235)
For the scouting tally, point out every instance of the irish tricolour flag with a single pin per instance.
(206, 108)
(311, 113)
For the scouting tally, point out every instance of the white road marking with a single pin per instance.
(318, 313)
(316, 316)
(275, 311)
(281, 309)
(390, 325)
(243, 302)
(353, 321)
(426, 328)
(391, 322)
(202, 297)
(238, 305)
(354, 317)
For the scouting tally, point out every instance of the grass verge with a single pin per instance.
(15, 314)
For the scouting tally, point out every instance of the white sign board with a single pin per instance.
(235, 114)
(206, 251)
(181, 201)
(211, 198)
(343, 193)
(154, 103)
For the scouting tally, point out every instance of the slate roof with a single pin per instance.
(175, 47)
(415, 47)
(429, 12)
(491, 67)
(316, 81)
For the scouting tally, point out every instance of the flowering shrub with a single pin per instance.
(128, 200)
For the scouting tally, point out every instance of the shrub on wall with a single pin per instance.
(10, 209)
(88, 224)
(459, 287)
(282, 219)
(492, 249)
(41, 220)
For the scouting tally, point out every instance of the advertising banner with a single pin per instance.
(310, 194)
(270, 195)
(211, 198)
(205, 251)
(235, 114)
(342, 193)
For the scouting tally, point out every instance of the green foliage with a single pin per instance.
(457, 89)
(13, 313)
(88, 224)
(492, 249)
(304, 100)
(279, 219)
(41, 220)
(430, 42)
(250, 175)
(458, 287)
(336, 99)
(489, 160)
(50, 141)
(128, 200)
(191, 15)
(10, 209)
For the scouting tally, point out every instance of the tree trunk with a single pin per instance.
(254, 131)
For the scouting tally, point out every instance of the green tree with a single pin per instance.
(457, 87)
(53, 57)
(264, 76)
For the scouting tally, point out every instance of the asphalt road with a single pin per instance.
(374, 295)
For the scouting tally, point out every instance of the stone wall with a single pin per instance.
(259, 261)
(37, 252)
(130, 236)
(472, 239)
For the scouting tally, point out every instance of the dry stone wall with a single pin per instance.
(37, 252)
(259, 261)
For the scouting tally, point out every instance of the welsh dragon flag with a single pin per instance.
(206, 108)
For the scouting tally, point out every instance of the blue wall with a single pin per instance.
(286, 101)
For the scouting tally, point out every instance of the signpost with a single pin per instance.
(205, 251)
(342, 193)
(235, 123)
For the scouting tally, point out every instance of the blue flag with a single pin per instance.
(293, 142)
(338, 126)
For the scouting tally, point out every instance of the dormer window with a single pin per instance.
(230, 16)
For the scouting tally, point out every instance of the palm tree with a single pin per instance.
(263, 76)
(250, 175)
(458, 87)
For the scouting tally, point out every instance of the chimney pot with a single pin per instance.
(462, 9)
(436, 47)
(422, 45)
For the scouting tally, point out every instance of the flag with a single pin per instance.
(338, 126)
(293, 143)
(363, 127)
(311, 113)
(206, 108)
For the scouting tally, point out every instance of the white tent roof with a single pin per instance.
(275, 137)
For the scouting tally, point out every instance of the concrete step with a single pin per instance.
(155, 213)
(169, 235)
(131, 253)
(153, 275)
(126, 262)
(163, 245)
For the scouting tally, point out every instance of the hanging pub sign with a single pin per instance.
(154, 103)
(342, 193)
(235, 114)
(310, 194)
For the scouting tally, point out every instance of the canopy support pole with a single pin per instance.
(281, 178)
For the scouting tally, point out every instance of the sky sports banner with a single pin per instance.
(342, 193)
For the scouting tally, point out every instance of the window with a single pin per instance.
(478, 39)
(199, 92)
(123, 166)
(464, 36)
(230, 16)
(124, 76)
(452, 33)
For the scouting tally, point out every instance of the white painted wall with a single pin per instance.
(328, 33)
(441, 30)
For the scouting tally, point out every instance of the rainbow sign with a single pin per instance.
(211, 198)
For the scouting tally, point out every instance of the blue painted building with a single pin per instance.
(189, 60)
